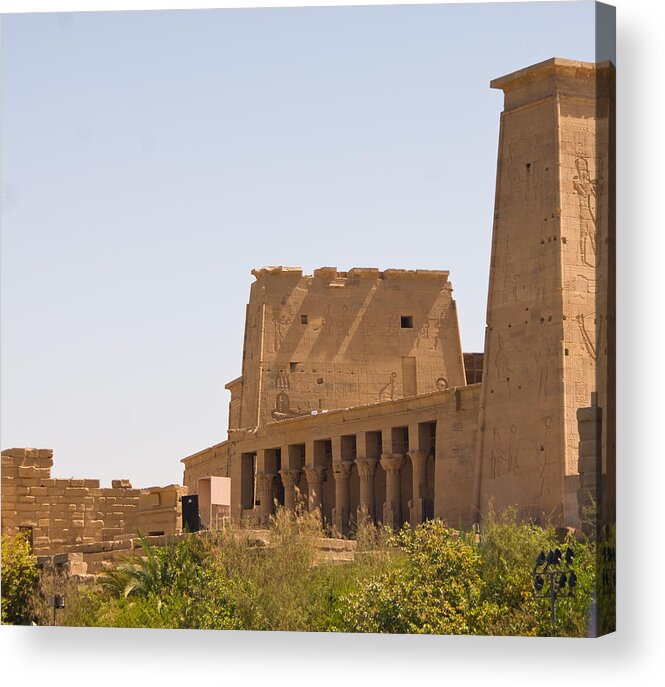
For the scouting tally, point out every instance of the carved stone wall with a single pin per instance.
(546, 309)
(339, 339)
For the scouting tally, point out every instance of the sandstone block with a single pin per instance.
(71, 492)
(38, 491)
(32, 472)
(121, 484)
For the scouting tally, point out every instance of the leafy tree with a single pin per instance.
(20, 579)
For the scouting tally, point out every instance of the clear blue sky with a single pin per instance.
(150, 160)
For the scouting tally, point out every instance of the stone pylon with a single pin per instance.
(549, 335)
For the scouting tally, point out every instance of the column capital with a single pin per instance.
(265, 479)
(342, 470)
(392, 462)
(315, 473)
(290, 477)
(366, 467)
(416, 456)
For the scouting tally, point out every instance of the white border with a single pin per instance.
(634, 654)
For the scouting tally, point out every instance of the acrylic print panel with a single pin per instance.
(230, 248)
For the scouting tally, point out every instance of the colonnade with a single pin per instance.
(340, 458)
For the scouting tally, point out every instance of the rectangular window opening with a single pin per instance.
(406, 321)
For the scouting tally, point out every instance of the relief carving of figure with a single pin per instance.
(281, 323)
(587, 325)
(512, 450)
(423, 332)
(438, 330)
(387, 392)
(587, 191)
(497, 454)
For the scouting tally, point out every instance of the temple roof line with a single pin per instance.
(330, 273)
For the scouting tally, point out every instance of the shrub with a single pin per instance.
(509, 549)
(20, 579)
(434, 588)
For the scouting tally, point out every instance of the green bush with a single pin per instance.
(434, 588)
(20, 580)
(175, 586)
(509, 549)
(431, 580)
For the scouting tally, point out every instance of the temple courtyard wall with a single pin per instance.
(397, 461)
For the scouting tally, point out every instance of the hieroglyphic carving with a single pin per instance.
(438, 330)
(281, 322)
(283, 410)
(510, 281)
(588, 340)
(387, 392)
(442, 384)
(503, 461)
(423, 332)
(497, 455)
(587, 190)
(513, 453)
(542, 358)
(282, 382)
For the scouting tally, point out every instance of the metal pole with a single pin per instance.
(552, 602)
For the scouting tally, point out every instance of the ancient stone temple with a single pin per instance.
(346, 376)
(355, 397)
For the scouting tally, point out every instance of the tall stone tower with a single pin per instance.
(338, 339)
(547, 349)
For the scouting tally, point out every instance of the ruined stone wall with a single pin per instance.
(62, 512)
(545, 313)
(160, 510)
(340, 339)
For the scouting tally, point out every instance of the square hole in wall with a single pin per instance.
(303, 319)
(406, 321)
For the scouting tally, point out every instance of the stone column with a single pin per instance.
(366, 469)
(290, 480)
(265, 483)
(392, 463)
(417, 503)
(342, 472)
(316, 474)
